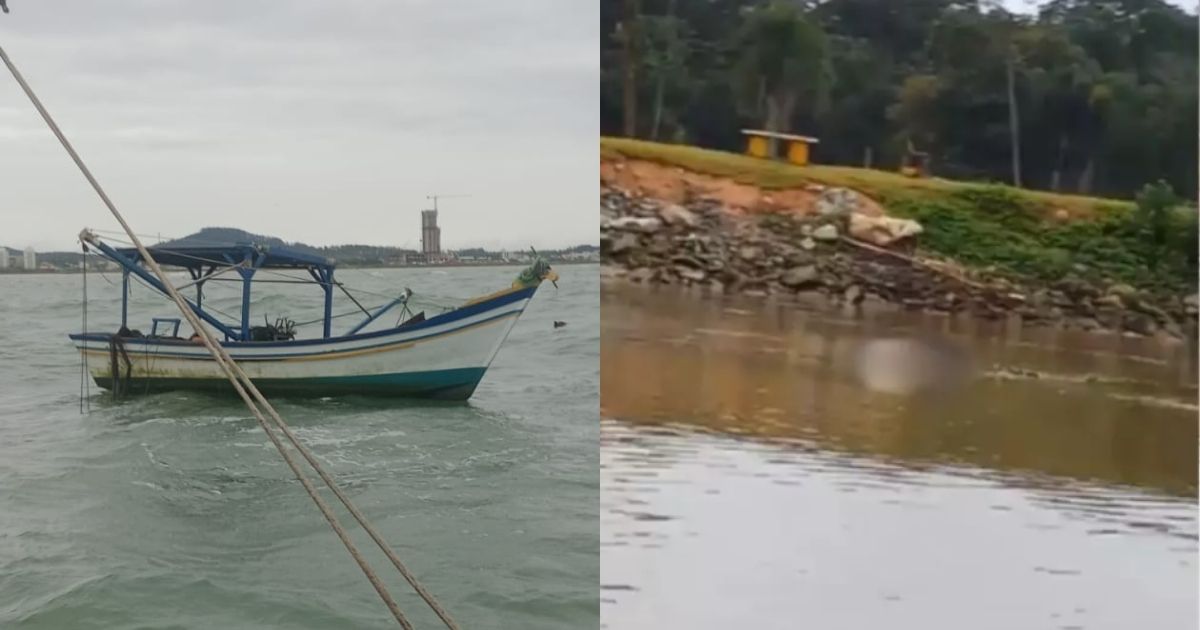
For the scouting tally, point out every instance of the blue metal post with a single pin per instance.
(374, 316)
(246, 274)
(124, 298)
(196, 275)
(130, 265)
(327, 277)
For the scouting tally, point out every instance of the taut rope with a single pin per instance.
(85, 386)
(255, 401)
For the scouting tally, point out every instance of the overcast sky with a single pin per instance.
(318, 121)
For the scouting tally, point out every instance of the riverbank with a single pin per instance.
(662, 223)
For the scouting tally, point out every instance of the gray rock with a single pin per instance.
(1153, 311)
(853, 294)
(837, 202)
(642, 274)
(1123, 291)
(637, 224)
(797, 258)
(690, 273)
(687, 261)
(1109, 317)
(623, 243)
(678, 215)
(807, 244)
(661, 245)
(1140, 324)
(826, 233)
(1060, 299)
(610, 271)
(749, 253)
(800, 277)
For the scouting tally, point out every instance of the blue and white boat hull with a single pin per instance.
(442, 357)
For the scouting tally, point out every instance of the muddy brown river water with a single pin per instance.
(748, 479)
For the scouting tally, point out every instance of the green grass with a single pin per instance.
(880, 185)
(1010, 230)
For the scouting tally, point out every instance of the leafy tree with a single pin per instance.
(783, 60)
(1100, 95)
(666, 46)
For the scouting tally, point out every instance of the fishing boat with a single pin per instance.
(441, 356)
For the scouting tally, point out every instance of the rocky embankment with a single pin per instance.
(848, 257)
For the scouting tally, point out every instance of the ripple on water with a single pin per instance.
(795, 496)
(704, 530)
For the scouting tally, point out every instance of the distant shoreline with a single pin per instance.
(27, 272)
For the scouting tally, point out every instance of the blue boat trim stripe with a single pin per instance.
(449, 384)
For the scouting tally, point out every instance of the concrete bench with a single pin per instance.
(758, 143)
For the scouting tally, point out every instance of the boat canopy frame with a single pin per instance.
(204, 263)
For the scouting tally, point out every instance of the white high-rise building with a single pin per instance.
(30, 258)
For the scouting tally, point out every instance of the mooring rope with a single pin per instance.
(254, 399)
(85, 386)
(116, 350)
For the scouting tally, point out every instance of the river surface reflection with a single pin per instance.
(749, 479)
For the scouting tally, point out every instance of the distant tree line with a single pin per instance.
(1086, 96)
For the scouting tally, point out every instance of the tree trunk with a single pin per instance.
(629, 40)
(772, 124)
(1056, 176)
(658, 99)
(1085, 178)
(760, 103)
(659, 85)
(1014, 122)
(779, 115)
